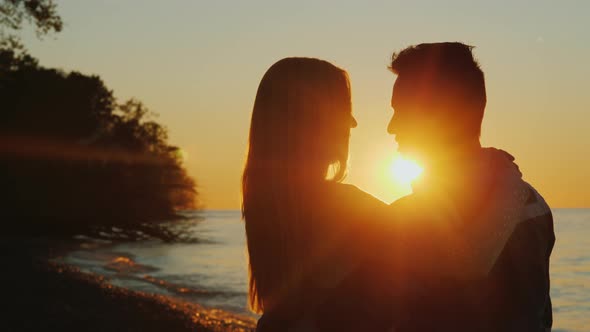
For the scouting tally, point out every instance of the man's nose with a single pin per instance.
(392, 126)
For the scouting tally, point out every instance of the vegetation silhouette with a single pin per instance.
(74, 161)
(42, 14)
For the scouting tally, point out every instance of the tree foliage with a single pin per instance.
(74, 160)
(42, 14)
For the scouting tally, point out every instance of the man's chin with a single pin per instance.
(412, 154)
(408, 152)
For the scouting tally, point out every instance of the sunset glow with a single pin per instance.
(204, 93)
(404, 171)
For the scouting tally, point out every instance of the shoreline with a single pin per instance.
(45, 294)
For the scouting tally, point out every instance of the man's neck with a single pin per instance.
(450, 165)
(453, 156)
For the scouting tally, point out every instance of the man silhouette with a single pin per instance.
(438, 100)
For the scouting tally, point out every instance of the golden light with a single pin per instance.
(182, 154)
(405, 171)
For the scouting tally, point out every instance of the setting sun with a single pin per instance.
(405, 171)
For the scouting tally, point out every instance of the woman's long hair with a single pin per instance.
(299, 131)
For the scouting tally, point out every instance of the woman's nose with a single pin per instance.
(353, 122)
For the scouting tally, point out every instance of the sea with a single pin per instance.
(212, 269)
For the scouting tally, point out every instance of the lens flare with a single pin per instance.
(405, 171)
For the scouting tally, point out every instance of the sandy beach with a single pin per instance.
(45, 295)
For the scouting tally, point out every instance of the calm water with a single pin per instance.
(212, 271)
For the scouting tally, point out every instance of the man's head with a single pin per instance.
(438, 99)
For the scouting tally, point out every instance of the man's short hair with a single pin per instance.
(450, 72)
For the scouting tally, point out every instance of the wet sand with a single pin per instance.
(44, 295)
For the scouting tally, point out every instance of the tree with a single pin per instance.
(73, 160)
(42, 14)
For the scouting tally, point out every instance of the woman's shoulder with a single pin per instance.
(352, 201)
(348, 220)
(352, 193)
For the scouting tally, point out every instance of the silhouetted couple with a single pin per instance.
(468, 250)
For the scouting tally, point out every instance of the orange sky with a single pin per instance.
(198, 65)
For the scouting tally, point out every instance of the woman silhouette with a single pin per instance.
(298, 216)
